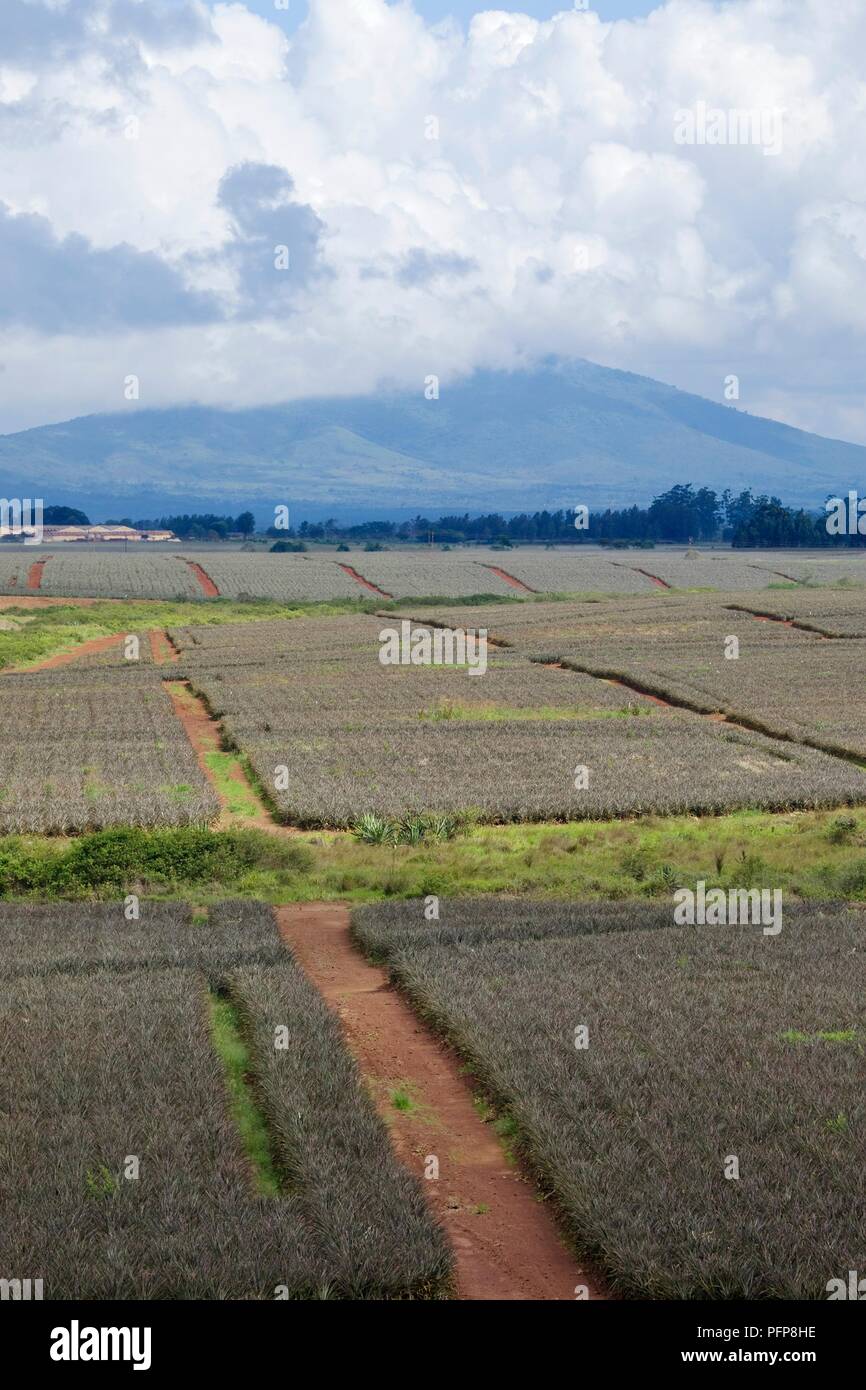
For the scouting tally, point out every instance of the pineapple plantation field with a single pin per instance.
(560, 726)
(700, 1047)
(173, 572)
(244, 1096)
(189, 1157)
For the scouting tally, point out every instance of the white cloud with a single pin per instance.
(554, 213)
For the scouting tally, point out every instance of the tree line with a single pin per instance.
(682, 514)
(197, 526)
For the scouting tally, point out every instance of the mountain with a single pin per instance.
(565, 433)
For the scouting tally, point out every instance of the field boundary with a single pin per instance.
(781, 574)
(91, 647)
(205, 738)
(787, 622)
(733, 717)
(365, 583)
(506, 1246)
(208, 587)
(447, 627)
(34, 574)
(508, 578)
(162, 649)
(636, 569)
(223, 765)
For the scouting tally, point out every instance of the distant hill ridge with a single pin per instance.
(562, 434)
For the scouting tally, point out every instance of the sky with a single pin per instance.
(295, 11)
(238, 205)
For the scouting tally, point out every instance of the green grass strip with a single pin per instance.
(232, 1052)
(239, 797)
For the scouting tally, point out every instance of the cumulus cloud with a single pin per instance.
(35, 29)
(275, 241)
(61, 286)
(448, 199)
(158, 23)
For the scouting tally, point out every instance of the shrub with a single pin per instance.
(411, 829)
(635, 863)
(851, 881)
(118, 859)
(841, 830)
(372, 829)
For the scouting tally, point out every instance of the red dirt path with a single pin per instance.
(661, 583)
(510, 579)
(636, 690)
(34, 601)
(204, 579)
(786, 622)
(96, 644)
(505, 1242)
(203, 733)
(359, 578)
(781, 573)
(161, 648)
(614, 680)
(205, 736)
(34, 574)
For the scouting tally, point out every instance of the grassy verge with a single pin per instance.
(807, 854)
(45, 632)
(491, 713)
(232, 1052)
(240, 800)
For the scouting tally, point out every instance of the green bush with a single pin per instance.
(851, 880)
(841, 830)
(411, 829)
(116, 859)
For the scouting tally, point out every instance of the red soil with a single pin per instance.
(204, 579)
(161, 648)
(32, 601)
(96, 644)
(786, 622)
(790, 577)
(204, 734)
(716, 715)
(661, 583)
(636, 690)
(505, 1243)
(510, 579)
(353, 574)
(614, 680)
(34, 574)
